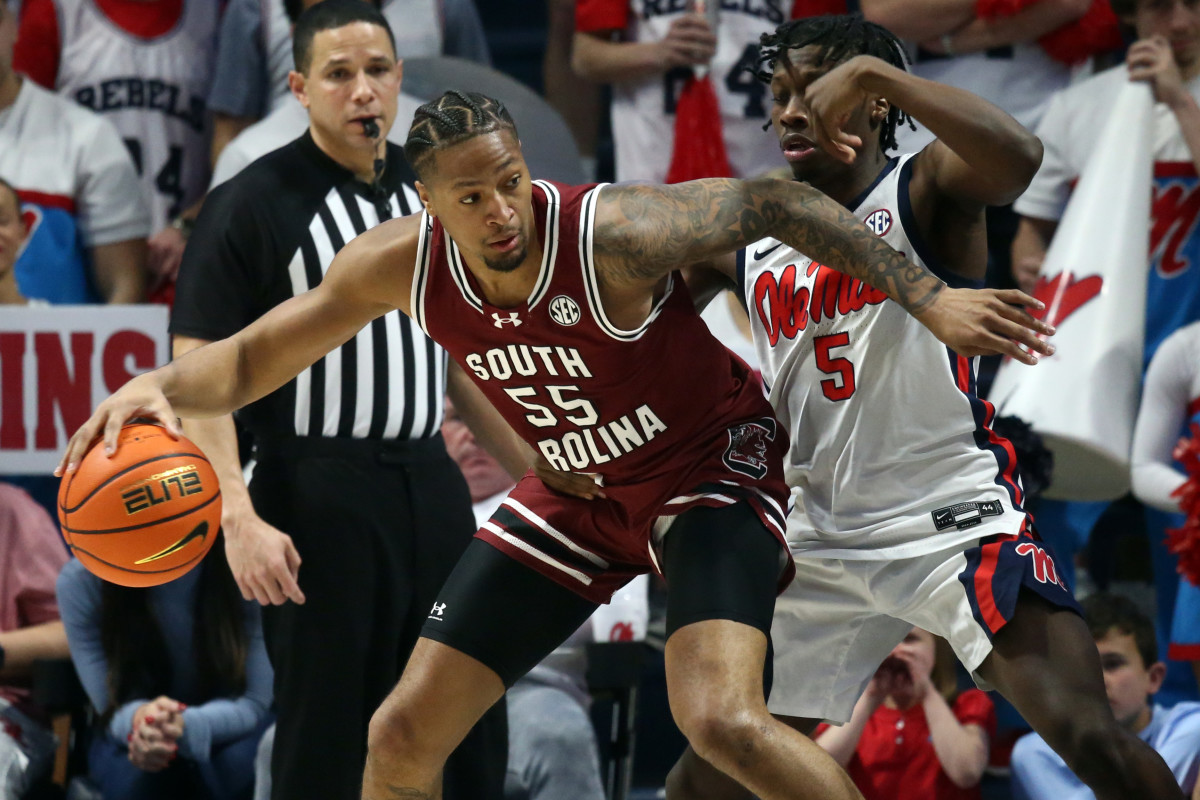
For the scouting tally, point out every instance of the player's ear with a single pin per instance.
(296, 83)
(879, 109)
(423, 193)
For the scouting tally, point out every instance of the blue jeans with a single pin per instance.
(227, 775)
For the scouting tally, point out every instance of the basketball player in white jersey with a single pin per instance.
(907, 508)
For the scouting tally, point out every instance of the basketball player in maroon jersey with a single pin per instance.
(562, 303)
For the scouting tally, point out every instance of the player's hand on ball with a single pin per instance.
(263, 559)
(575, 484)
(980, 322)
(140, 398)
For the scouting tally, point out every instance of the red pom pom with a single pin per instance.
(1185, 541)
(1097, 31)
(699, 150)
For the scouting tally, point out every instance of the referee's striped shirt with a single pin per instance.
(271, 233)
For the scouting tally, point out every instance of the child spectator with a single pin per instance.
(1132, 673)
(913, 734)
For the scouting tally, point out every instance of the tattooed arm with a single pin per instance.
(643, 232)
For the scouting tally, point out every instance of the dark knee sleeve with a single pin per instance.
(721, 563)
(502, 613)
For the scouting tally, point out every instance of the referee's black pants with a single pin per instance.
(378, 526)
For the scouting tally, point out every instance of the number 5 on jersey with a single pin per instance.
(841, 387)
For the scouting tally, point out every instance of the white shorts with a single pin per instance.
(839, 619)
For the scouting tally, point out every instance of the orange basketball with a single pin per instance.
(145, 516)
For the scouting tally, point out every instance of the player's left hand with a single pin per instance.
(982, 322)
(575, 484)
(1151, 60)
(832, 100)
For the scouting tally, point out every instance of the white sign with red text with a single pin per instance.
(57, 363)
(1083, 400)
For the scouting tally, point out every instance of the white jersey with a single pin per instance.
(77, 187)
(890, 456)
(416, 25)
(722, 321)
(643, 111)
(152, 90)
(1070, 130)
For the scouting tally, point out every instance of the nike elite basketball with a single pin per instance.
(145, 516)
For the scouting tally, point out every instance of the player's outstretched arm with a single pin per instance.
(643, 232)
(369, 277)
(981, 155)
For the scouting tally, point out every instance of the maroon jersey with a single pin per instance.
(663, 413)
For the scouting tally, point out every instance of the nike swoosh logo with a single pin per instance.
(760, 254)
(198, 532)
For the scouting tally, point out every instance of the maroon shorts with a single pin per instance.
(593, 547)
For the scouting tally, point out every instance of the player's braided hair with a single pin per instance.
(840, 37)
(450, 119)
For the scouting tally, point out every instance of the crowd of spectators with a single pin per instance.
(119, 120)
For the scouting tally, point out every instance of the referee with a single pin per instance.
(350, 461)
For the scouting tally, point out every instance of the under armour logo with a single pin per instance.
(511, 319)
(436, 611)
(1043, 565)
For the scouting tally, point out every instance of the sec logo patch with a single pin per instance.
(564, 310)
(879, 221)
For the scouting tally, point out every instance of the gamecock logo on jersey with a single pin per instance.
(748, 443)
(564, 310)
(880, 222)
(1043, 565)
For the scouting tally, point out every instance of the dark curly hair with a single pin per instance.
(840, 37)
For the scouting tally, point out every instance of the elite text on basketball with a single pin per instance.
(141, 495)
